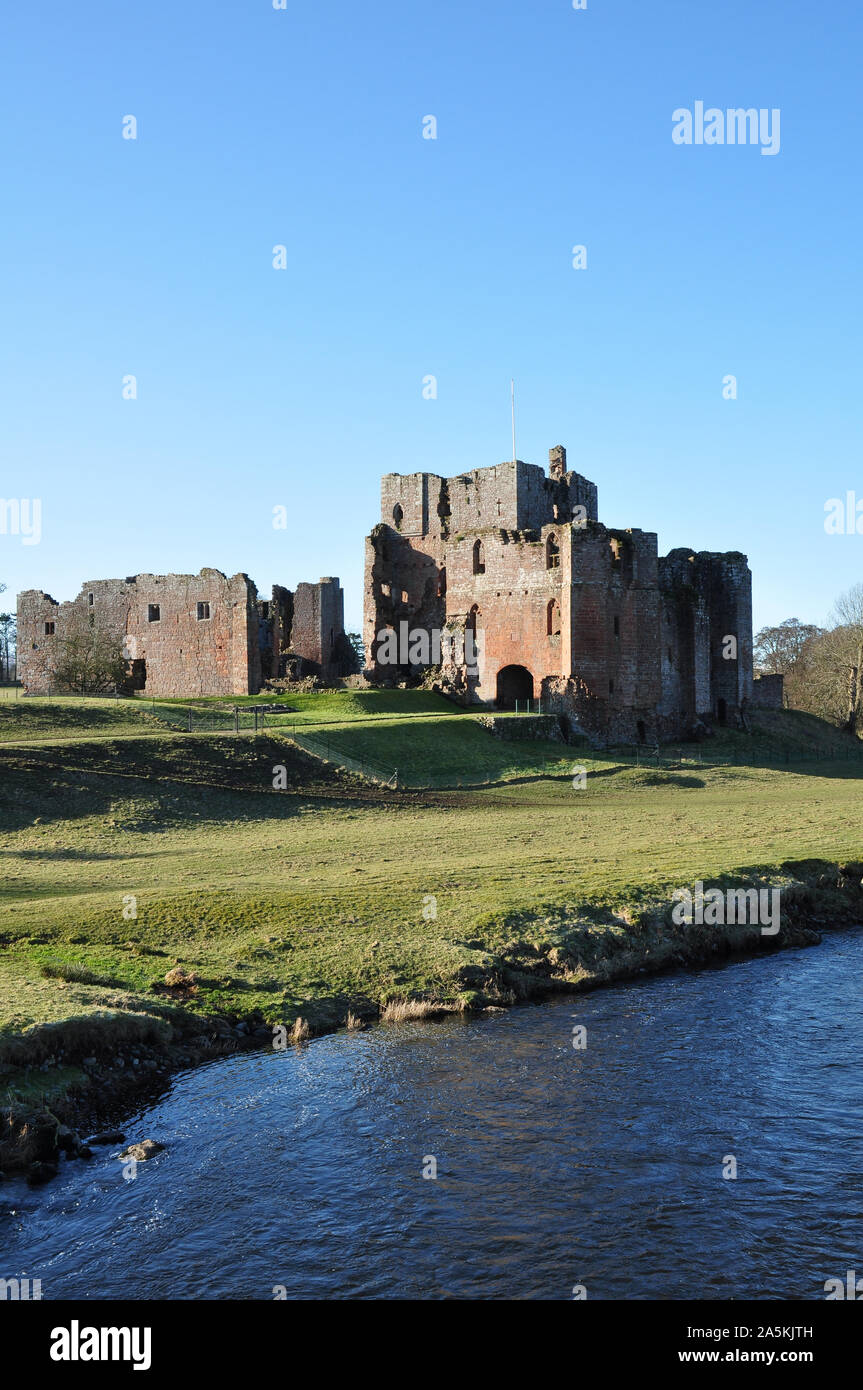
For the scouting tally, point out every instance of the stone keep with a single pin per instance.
(586, 617)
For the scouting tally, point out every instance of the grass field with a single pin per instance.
(333, 891)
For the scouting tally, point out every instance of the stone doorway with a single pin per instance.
(137, 679)
(514, 683)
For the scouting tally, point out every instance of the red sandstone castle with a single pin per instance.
(190, 634)
(589, 620)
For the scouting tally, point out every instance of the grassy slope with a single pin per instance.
(24, 719)
(279, 899)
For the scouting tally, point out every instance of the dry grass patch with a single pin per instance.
(403, 1010)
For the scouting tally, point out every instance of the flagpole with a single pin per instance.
(512, 394)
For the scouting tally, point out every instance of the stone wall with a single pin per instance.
(706, 636)
(318, 627)
(768, 692)
(184, 634)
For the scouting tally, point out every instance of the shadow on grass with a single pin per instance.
(187, 782)
(83, 856)
(21, 718)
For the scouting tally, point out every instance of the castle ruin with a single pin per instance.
(190, 634)
(586, 618)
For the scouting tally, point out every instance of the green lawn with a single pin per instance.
(319, 706)
(60, 717)
(325, 893)
(438, 752)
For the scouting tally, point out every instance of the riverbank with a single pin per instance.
(555, 1164)
(56, 1095)
(167, 897)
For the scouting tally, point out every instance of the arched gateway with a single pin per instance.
(513, 683)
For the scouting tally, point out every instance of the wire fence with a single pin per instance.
(282, 719)
(321, 748)
(641, 756)
(270, 719)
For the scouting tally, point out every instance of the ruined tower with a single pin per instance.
(585, 617)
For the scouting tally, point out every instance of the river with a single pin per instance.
(602, 1167)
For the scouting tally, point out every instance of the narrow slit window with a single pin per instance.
(203, 611)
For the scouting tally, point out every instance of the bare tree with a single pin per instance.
(823, 667)
(779, 649)
(7, 642)
(90, 659)
(789, 649)
(8, 631)
(847, 617)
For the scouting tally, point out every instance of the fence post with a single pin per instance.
(236, 719)
(190, 719)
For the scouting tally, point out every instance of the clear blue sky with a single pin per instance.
(409, 257)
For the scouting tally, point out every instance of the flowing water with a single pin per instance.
(603, 1167)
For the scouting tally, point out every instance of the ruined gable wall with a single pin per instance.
(36, 649)
(706, 598)
(188, 655)
(332, 603)
(403, 580)
(274, 631)
(318, 624)
(728, 587)
(686, 639)
(183, 655)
